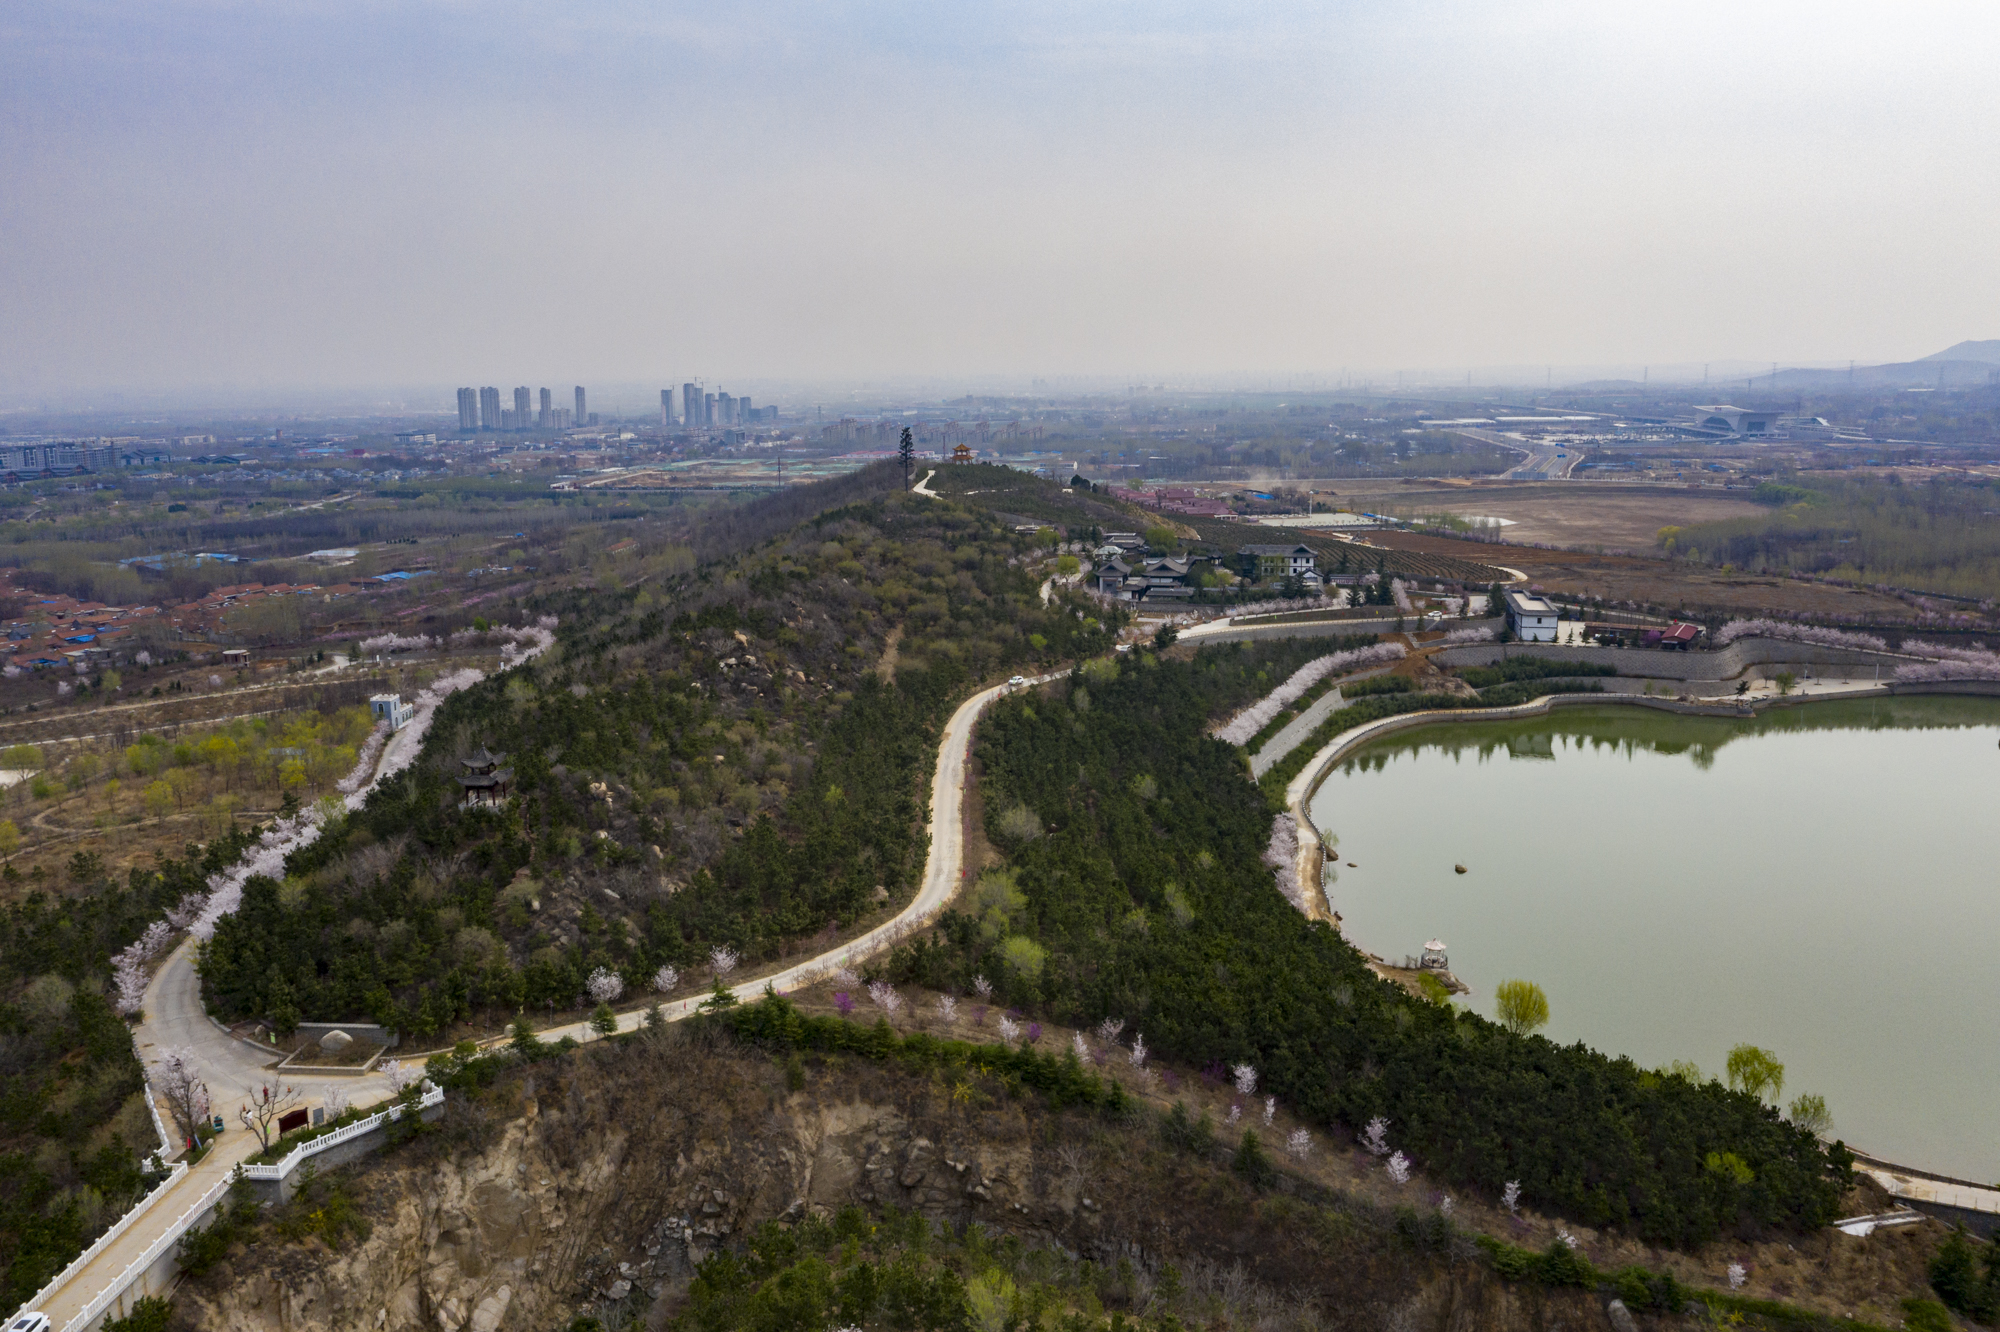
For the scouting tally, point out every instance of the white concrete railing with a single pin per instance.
(132, 1213)
(108, 1238)
(104, 1299)
(166, 1143)
(291, 1160)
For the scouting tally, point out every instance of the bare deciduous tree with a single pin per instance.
(266, 1106)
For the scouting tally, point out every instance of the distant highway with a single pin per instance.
(1539, 462)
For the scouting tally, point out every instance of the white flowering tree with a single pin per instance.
(883, 995)
(947, 1008)
(605, 986)
(1245, 1078)
(1010, 1030)
(1299, 1144)
(1376, 1136)
(1510, 1197)
(400, 1076)
(1399, 1168)
(1139, 1051)
(666, 978)
(722, 959)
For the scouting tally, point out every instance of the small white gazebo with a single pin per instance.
(1434, 958)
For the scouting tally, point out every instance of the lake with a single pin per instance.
(1820, 881)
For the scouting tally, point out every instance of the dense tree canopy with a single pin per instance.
(1139, 884)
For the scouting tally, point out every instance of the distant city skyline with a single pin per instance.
(262, 199)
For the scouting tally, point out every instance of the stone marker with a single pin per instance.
(335, 1041)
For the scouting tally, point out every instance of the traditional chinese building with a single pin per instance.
(484, 780)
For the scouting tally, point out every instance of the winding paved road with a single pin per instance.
(233, 1068)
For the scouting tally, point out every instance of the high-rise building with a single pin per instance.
(489, 409)
(468, 411)
(708, 409)
(690, 407)
(744, 416)
(543, 421)
(521, 408)
(582, 416)
(666, 407)
(725, 410)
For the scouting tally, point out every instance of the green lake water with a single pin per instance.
(1820, 881)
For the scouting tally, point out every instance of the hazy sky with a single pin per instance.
(315, 193)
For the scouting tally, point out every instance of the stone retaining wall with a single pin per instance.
(1723, 664)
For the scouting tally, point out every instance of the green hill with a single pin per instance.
(735, 757)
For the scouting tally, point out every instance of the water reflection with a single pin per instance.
(1681, 884)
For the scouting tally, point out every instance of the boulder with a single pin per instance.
(1459, 868)
(335, 1041)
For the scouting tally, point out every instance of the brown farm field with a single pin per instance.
(1580, 515)
(1658, 582)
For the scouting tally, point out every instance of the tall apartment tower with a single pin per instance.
(546, 419)
(582, 416)
(468, 411)
(521, 409)
(690, 407)
(489, 409)
(744, 416)
(666, 407)
(708, 409)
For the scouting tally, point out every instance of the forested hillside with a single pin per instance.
(1135, 889)
(73, 1120)
(736, 758)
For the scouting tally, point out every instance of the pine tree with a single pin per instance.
(907, 451)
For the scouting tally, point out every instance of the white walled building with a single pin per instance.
(1531, 618)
